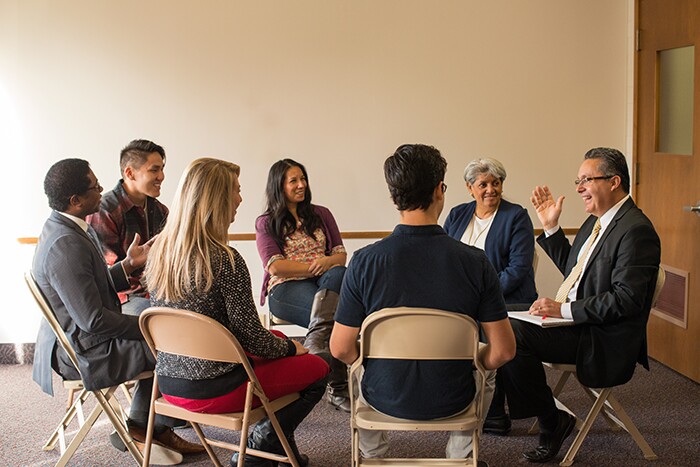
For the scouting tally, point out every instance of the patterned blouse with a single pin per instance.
(303, 249)
(230, 302)
(328, 243)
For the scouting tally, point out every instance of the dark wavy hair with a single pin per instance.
(412, 173)
(64, 179)
(281, 222)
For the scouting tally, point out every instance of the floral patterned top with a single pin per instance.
(328, 243)
(303, 249)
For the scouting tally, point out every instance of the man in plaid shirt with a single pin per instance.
(131, 208)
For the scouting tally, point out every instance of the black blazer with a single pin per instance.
(614, 295)
(82, 291)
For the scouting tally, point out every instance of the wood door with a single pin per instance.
(669, 179)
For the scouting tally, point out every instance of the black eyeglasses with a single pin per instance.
(586, 180)
(444, 187)
(97, 188)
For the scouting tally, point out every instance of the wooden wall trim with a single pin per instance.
(370, 234)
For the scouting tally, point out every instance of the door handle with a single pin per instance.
(695, 209)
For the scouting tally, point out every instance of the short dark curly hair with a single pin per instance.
(412, 173)
(64, 179)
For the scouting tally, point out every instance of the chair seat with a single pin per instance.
(368, 418)
(229, 421)
(561, 366)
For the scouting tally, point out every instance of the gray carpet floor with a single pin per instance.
(664, 405)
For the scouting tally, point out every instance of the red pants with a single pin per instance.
(277, 377)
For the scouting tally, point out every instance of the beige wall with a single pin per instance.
(335, 84)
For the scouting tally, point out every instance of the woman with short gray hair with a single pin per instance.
(504, 231)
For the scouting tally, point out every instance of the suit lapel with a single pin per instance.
(63, 220)
(626, 206)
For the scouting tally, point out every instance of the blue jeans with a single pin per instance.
(292, 300)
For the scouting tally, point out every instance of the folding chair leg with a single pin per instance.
(631, 428)
(205, 443)
(605, 412)
(79, 436)
(125, 387)
(59, 433)
(103, 400)
(585, 428)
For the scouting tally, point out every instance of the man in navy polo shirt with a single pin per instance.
(419, 265)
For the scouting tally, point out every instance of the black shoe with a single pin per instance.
(116, 441)
(499, 425)
(252, 461)
(550, 443)
(302, 459)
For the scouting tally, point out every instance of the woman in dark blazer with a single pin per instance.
(504, 231)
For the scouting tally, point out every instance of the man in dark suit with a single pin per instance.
(82, 291)
(610, 271)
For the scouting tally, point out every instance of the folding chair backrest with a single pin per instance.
(50, 317)
(419, 334)
(660, 280)
(183, 332)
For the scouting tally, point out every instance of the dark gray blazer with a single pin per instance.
(82, 291)
(614, 296)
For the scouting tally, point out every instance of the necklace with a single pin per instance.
(479, 227)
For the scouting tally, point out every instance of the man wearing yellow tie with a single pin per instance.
(610, 272)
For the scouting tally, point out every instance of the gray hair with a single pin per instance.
(486, 166)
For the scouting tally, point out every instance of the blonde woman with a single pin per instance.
(192, 267)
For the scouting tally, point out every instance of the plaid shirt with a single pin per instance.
(116, 223)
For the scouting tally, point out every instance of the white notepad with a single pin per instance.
(545, 322)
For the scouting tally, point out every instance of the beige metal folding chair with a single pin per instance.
(191, 334)
(105, 398)
(604, 403)
(416, 334)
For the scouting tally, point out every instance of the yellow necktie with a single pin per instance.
(575, 273)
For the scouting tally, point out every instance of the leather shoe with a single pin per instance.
(160, 455)
(168, 439)
(550, 443)
(499, 425)
(171, 440)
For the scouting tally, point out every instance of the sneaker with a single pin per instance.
(339, 402)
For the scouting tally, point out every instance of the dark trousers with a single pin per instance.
(141, 398)
(524, 378)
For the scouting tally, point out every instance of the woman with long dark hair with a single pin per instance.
(304, 261)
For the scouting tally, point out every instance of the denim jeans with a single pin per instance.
(292, 300)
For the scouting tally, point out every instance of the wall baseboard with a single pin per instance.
(16, 354)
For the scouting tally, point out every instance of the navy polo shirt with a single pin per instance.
(419, 266)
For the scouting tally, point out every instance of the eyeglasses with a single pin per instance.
(97, 188)
(586, 180)
(444, 187)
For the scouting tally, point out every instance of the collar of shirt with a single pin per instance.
(430, 229)
(606, 218)
(81, 223)
(125, 200)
